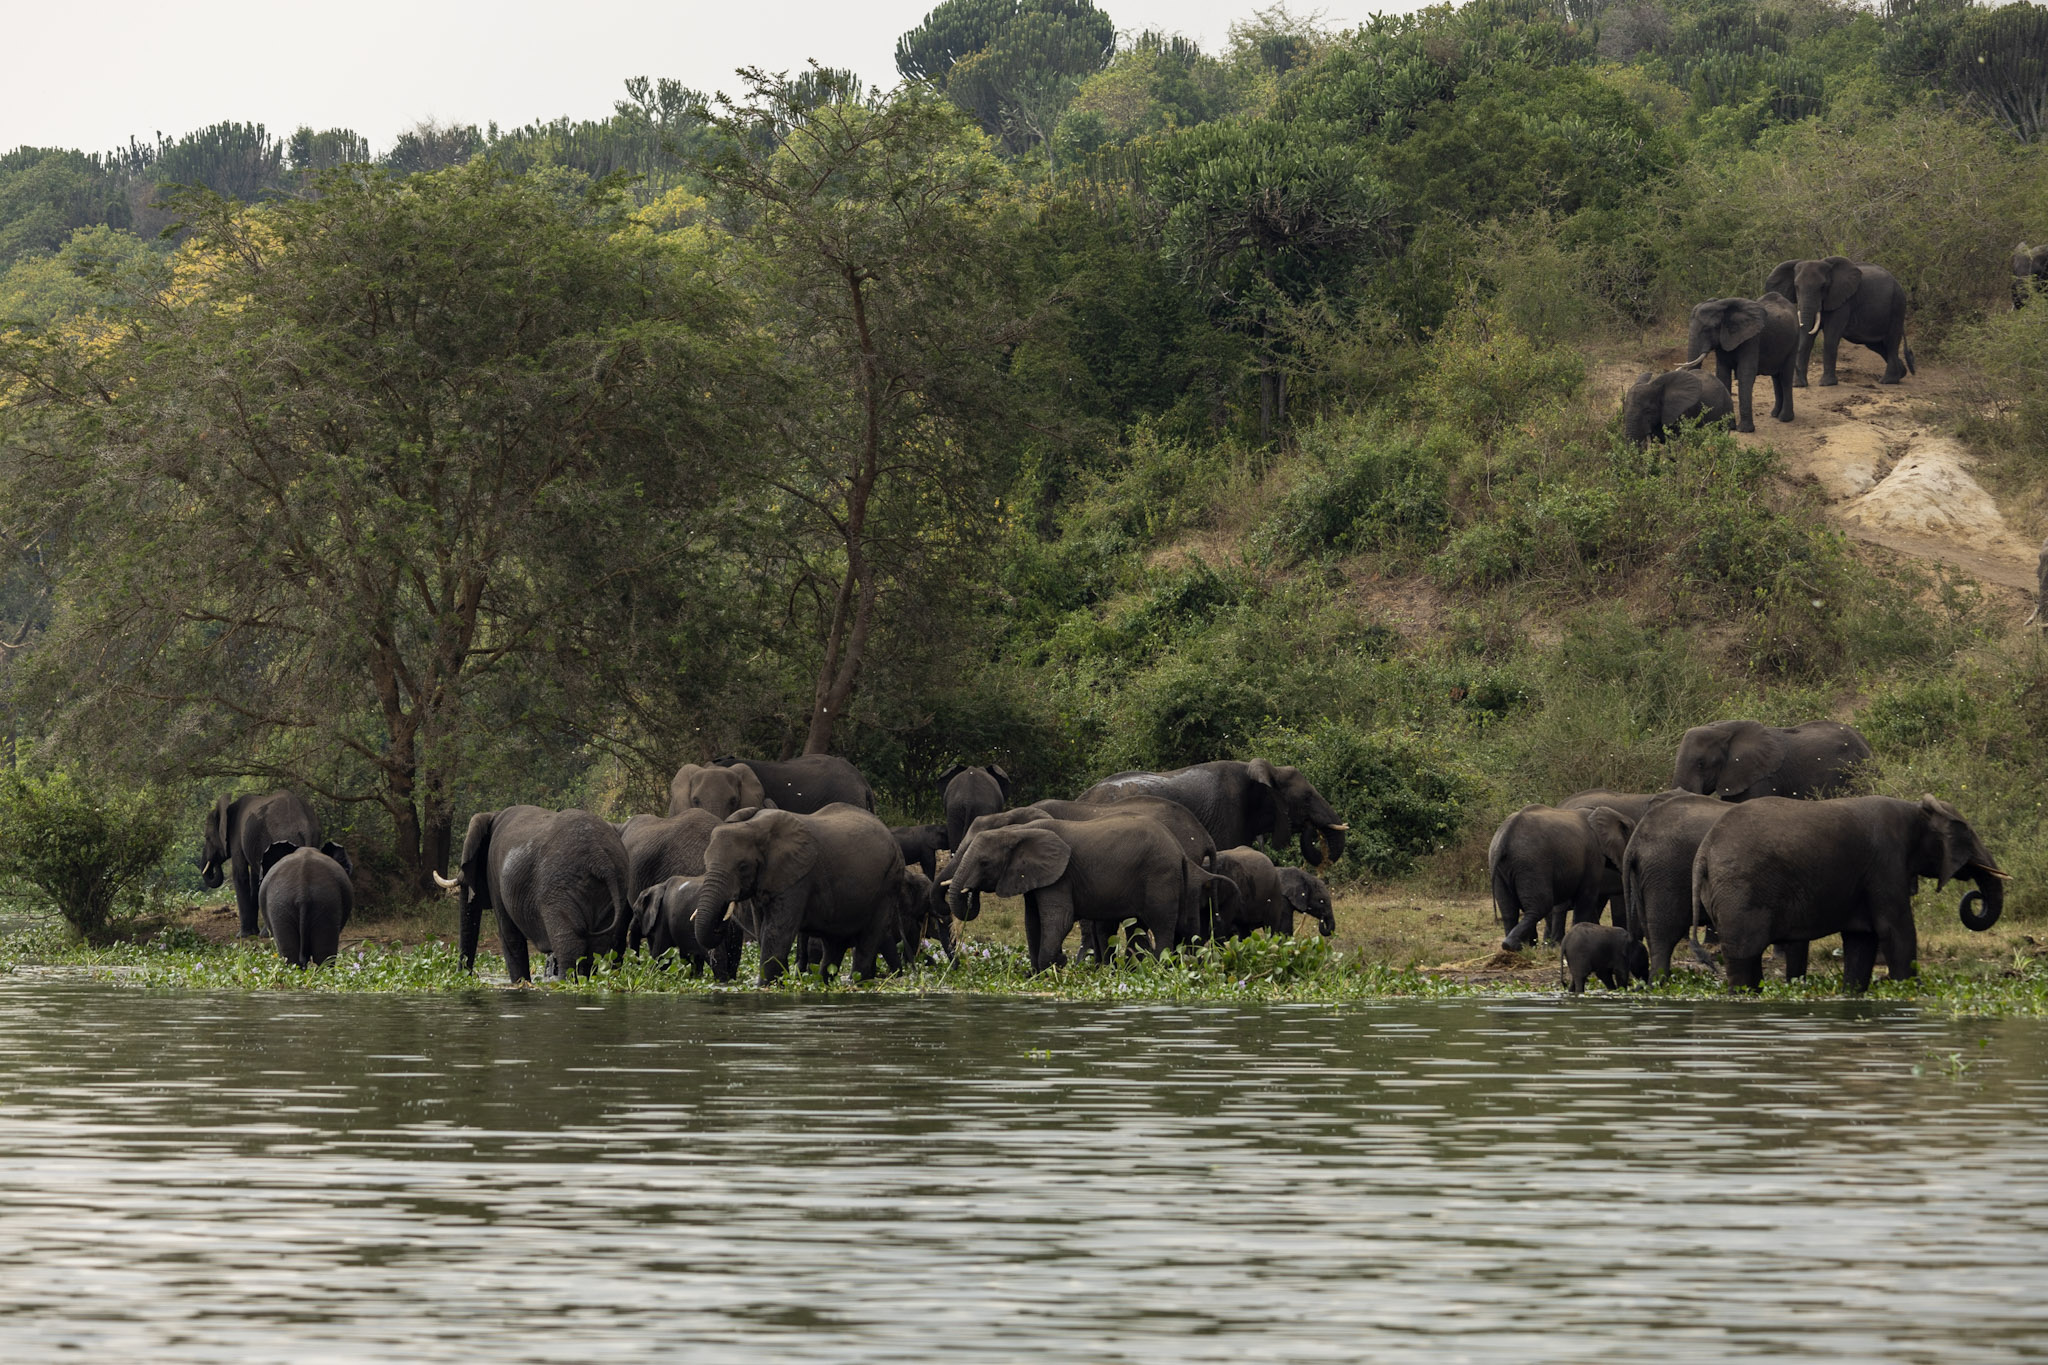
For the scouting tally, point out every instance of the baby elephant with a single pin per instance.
(1604, 951)
(306, 897)
(1656, 404)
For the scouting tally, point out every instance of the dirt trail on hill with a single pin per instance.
(1891, 476)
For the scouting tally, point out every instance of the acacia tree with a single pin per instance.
(879, 246)
(358, 457)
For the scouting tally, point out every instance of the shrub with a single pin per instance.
(1485, 376)
(1402, 799)
(1190, 710)
(1371, 489)
(1917, 715)
(85, 850)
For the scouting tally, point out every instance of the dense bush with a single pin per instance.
(83, 850)
(1403, 798)
(1367, 489)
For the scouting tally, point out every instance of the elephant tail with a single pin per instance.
(1702, 897)
(613, 935)
(1911, 368)
(1505, 903)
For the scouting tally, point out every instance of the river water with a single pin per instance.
(533, 1177)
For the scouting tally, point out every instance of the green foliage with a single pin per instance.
(1404, 799)
(1369, 488)
(1484, 376)
(84, 850)
(1012, 64)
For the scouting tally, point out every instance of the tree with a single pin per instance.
(84, 850)
(1012, 64)
(879, 238)
(363, 456)
(2001, 61)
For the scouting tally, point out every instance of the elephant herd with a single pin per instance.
(1834, 299)
(790, 855)
(1753, 842)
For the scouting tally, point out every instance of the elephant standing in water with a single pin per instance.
(1543, 861)
(239, 830)
(557, 880)
(1739, 760)
(1657, 405)
(1748, 337)
(1241, 803)
(1780, 872)
(1841, 300)
(306, 898)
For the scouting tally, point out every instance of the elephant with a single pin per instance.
(1630, 804)
(971, 793)
(833, 874)
(1240, 803)
(658, 850)
(721, 791)
(2029, 270)
(1739, 760)
(1843, 300)
(1102, 870)
(557, 879)
(1269, 897)
(238, 831)
(921, 846)
(808, 784)
(1748, 337)
(1543, 860)
(306, 898)
(661, 921)
(1656, 871)
(921, 911)
(1601, 950)
(1785, 872)
(1657, 404)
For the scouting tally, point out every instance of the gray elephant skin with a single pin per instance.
(1843, 300)
(306, 898)
(719, 791)
(969, 794)
(1746, 338)
(1241, 802)
(921, 846)
(2029, 271)
(661, 922)
(1107, 870)
(808, 784)
(1631, 806)
(1544, 861)
(1657, 405)
(239, 829)
(1785, 872)
(1603, 951)
(1740, 760)
(557, 881)
(834, 874)
(1269, 897)
(1656, 871)
(660, 850)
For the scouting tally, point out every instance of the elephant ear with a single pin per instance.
(790, 851)
(1844, 278)
(1612, 830)
(340, 855)
(752, 793)
(951, 773)
(1753, 750)
(1035, 858)
(1294, 885)
(1002, 779)
(1780, 281)
(217, 826)
(476, 847)
(275, 854)
(1268, 795)
(1959, 846)
(646, 906)
(1741, 320)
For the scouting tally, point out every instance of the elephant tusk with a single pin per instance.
(1815, 329)
(1341, 829)
(1696, 361)
(1992, 872)
(444, 883)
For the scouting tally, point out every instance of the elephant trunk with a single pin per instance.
(472, 924)
(1322, 845)
(707, 912)
(1635, 422)
(963, 903)
(1991, 893)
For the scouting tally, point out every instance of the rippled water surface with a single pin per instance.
(542, 1178)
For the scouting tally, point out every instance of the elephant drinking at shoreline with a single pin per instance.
(1842, 300)
(1748, 337)
(239, 830)
(835, 875)
(557, 881)
(1739, 760)
(1241, 803)
(306, 898)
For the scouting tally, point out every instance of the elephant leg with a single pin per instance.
(245, 880)
(1660, 958)
(778, 934)
(1745, 381)
(1609, 979)
(321, 942)
(1802, 358)
(725, 958)
(1794, 952)
(1746, 973)
(1900, 945)
(1095, 940)
(1859, 957)
(1522, 932)
(284, 930)
(511, 942)
(1055, 918)
(1830, 347)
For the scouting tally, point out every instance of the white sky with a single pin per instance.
(90, 77)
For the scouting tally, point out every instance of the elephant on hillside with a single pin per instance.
(1748, 337)
(1656, 871)
(1241, 802)
(808, 784)
(715, 790)
(557, 881)
(1785, 872)
(239, 830)
(2029, 272)
(1739, 760)
(971, 793)
(835, 875)
(1657, 405)
(1544, 861)
(1107, 871)
(306, 898)
(1843, 300)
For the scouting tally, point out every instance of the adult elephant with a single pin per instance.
(969, 794)
(1656, 871)
(1106, 871)
(1784, 872)
(921, 846)
(557, 881)
(2029, 272)
(1740, 760)
(238, 831)
(808, 784)
(1656, 405)
(1843, 300)
(664, 850)
(1748, 337)
(1630, 805)
(834, 874)
(1543, 861)
(1240, 802)
(306, 897)
(715, 790)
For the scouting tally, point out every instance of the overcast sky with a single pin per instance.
(89, 78)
